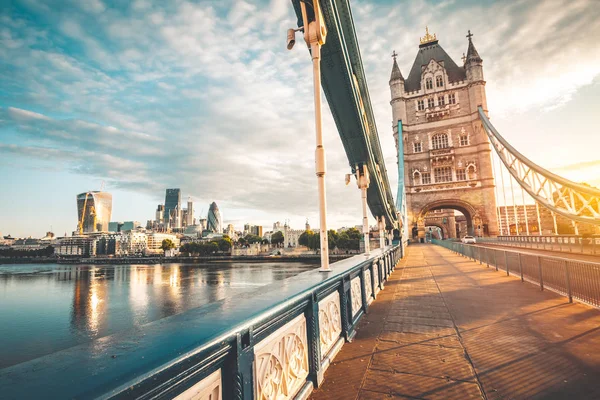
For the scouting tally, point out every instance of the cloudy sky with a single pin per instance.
(204, 96)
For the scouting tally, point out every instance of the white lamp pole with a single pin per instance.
(315, 33)
(362, 180)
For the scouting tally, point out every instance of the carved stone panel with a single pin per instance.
(368, 284)
(356, 292)
(330, 321)
(209, 388)
(281, 362)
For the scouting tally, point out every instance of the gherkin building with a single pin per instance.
(214, 222)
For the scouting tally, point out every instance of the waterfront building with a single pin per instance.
(94, 210)
(172, 216)
(133, 243)
(155, 241)
(29, 244)
(447, 155)
(214, 223)
(290, 236)
(77, 245)
(509, 222)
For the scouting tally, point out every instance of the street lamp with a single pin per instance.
(315, 33)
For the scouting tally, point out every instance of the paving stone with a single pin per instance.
(446, 327)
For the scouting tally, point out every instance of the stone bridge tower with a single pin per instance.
(447, 155)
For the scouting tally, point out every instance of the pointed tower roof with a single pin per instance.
(396, 74)
(472, 54)
(429, 49)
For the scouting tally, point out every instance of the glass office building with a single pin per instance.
(214, 222)
(94, 210)
(172, 216)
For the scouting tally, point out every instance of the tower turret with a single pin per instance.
(474, 71)
(397, 91)
(473, 63)
(396, 79)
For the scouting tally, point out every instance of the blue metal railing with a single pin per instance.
(180, 353)
(575, 279)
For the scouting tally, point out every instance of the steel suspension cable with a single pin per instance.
(525, 210)
(504, 196)
(512, 192)
(539, 219)
(498, 213)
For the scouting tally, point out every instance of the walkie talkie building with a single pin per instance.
(214, 222)
(94, 210)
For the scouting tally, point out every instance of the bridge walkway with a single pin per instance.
(446, 327)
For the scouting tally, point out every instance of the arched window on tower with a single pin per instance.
(439, 141)
(439, 81)
(429, 83)
(417, 178)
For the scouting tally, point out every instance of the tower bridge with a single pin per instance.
(456, 321)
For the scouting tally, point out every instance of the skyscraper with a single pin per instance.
(94, 210)
(214, 219)
(190, 213)
(173, 208)
(160, 213)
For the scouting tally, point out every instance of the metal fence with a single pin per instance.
(563, 243)
(575, 279)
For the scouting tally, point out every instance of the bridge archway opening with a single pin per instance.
(456, 218)
(436, 231)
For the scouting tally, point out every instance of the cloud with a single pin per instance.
(204, 96)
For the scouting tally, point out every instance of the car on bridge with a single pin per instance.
(468, 239)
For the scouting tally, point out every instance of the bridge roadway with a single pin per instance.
(449, 328)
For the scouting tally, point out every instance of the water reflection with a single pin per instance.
(75, 304)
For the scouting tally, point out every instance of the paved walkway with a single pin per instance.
(449, 328)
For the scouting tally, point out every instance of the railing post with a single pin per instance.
(520, 267)
(506, 262)
(243, 385)
(314, 342)
(539, 260)
(568, 281)
(344, 305)
(495, 260)
(479, 254)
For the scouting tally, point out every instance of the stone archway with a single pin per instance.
(471, 215)
(443, 229)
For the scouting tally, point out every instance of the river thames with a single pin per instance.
(45, 308)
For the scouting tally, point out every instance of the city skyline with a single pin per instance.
(119, 102)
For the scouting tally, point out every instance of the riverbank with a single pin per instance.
(170, 260)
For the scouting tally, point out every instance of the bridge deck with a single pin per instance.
(449, 328)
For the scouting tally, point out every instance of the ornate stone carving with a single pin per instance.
(281, 362)
(330, 322)
(368, 284)
(208, 388)
(356, 291)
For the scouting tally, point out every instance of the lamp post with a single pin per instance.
(315, 33)
(363, 180)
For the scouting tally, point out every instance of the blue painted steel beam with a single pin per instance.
(345, 86)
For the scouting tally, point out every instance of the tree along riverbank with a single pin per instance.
(165, 260)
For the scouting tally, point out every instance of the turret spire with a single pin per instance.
(396, 74)
(472, 54)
